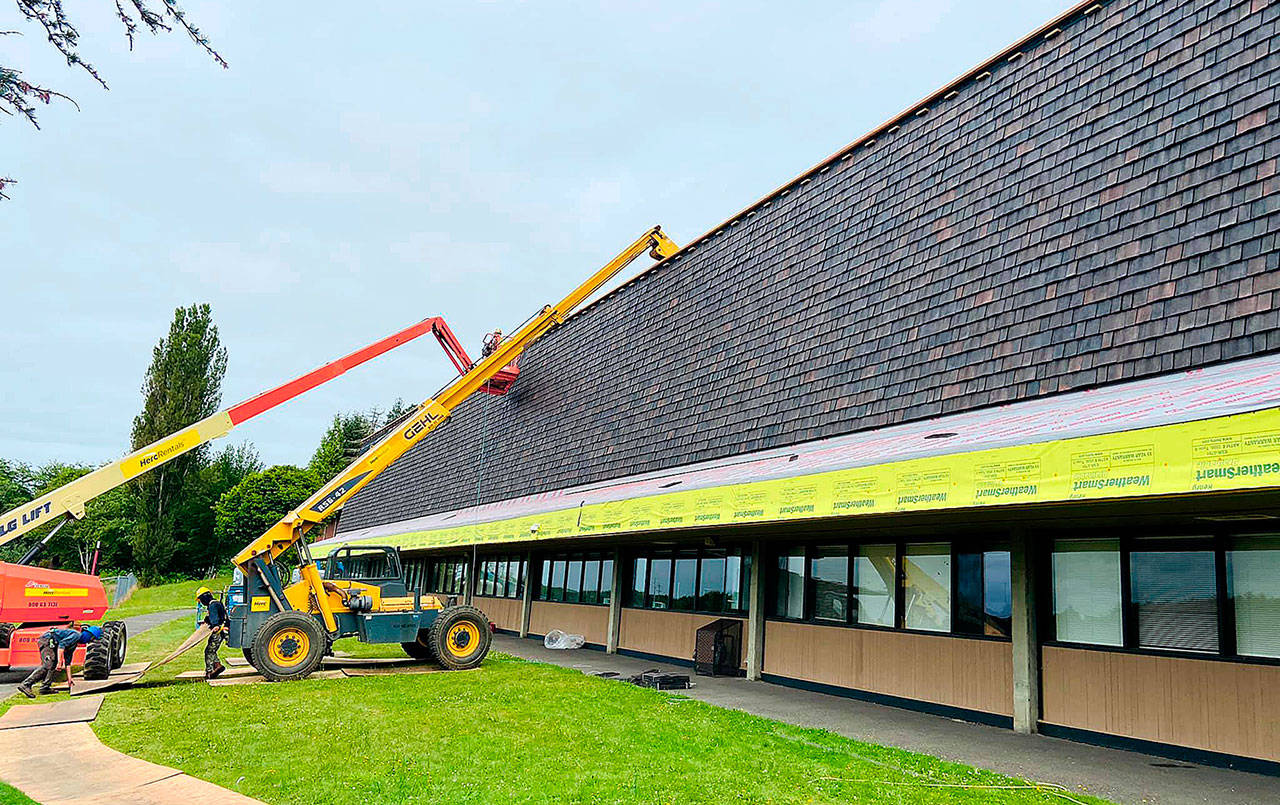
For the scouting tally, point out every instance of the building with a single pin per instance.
(979, 416)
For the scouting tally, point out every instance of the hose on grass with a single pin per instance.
(1044, 788)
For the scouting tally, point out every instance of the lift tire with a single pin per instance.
(248, 656)
(421, 649)
(97, 658)
(6, 633)
(460, 638)
(116, 635)
(290, 645)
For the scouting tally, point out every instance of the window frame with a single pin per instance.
(650, 557)
(1218, 540)
(997, 541)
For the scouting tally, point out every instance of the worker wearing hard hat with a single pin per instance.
(65, 638)
(216, 619)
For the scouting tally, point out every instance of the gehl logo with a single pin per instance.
(420, 425)
(27, 518)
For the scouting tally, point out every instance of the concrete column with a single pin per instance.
(755, 613)
(615, 605)
(526, 605)
(1026, 646)
(471, 575)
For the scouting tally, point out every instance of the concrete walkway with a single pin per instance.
(66, 764)
(137, 625)
(1124, 777)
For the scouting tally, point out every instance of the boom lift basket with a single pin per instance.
(717, 648)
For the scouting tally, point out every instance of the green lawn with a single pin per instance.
(180, 595)
(512, 731)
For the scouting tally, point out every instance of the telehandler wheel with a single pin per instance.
(421, 648)
(6, 633)
(460, 638)
(116, 635)
(290, 645)
(248, 656)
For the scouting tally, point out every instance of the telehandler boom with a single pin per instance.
(285, 631)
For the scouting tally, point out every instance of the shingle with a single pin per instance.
(1099, 210)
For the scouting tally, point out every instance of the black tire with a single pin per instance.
(6, 633)
(116, 635)
(248, 656)
(290, 645)
(460, 638)
(97, 658)
(421, 649)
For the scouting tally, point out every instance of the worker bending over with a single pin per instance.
(65, 638)
(216, 619)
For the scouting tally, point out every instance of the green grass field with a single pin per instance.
(511, 731)
(181, 595)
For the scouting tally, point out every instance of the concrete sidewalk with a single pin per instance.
(1125, 777)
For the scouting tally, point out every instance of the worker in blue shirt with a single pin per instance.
(65, 638)
(216, 618)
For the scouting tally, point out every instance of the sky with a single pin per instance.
(361, 167)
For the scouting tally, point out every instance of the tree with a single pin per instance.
(182, 386)
(255, 504)
(19, 97)
(345, 439)
(341, 443)
(108, 519)
(198, 548)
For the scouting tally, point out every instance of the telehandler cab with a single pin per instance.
(285, 630)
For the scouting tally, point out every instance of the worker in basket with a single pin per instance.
(59, 638)
(216, 619)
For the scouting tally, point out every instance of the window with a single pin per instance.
(445, 575)
(983, 594)
(684, 584)
(573, 581)
(737, 569)
(660, 584)
(500, 577)
(704, 580)
(789, 586)
(1175, 597)
(711, 582)
(874, 574)
(829, 581)
(639, 582)
(557, 580)
(1086, 591)
(591, 581)
(1253, 579)
(927, 587)
(606, 581)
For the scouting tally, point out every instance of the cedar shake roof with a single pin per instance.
(1096, 204)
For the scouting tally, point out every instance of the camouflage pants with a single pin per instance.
(48, 665)
(211, 650)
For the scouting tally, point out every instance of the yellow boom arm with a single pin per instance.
(426, 418)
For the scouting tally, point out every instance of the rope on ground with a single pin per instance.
(1044, 788)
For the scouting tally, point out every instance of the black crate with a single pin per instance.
(717, 648)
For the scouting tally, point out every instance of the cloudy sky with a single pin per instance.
(362, 166)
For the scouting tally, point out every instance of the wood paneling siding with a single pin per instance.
(592, 622)
(1228, 707)
(504, 612)
(669, 634)
(954, 671)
